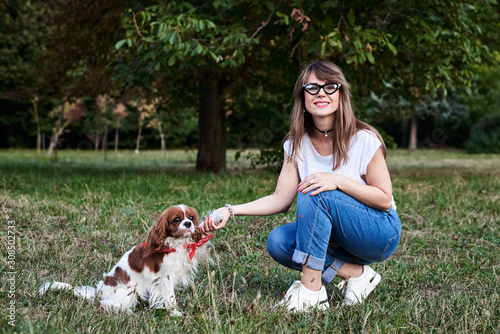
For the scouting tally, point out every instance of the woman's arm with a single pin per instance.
(279, 201)
(376, 194)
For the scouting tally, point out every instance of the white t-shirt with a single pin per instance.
(364, 144)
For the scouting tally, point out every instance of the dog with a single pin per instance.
(173, 249)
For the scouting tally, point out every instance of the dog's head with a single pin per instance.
(176, 222)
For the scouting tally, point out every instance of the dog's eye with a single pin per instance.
(177, 220)
(191, 217)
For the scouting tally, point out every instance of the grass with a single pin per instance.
(75, 218)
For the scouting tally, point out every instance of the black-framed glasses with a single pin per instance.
(314, 89)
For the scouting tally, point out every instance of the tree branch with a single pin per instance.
(267, 21)
(296, 45)
(137, 27)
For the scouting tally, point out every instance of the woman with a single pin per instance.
(346, 218)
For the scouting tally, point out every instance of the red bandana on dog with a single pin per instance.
(192, 246)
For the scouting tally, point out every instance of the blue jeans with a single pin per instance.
(333, 228)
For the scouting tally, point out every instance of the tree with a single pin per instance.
(65, 115)
(435, 44)
(119, 113)
(207, 40)
(58, 49)
(22, 34)
(34, 112)
(150, 110)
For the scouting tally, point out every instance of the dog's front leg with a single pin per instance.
(162, 296)
(170, 303)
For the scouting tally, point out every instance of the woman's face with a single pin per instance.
(321, 104)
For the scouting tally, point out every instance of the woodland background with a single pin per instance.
(213, 75)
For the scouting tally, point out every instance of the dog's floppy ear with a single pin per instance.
(192, 212)
(197, 235)
(158, 233)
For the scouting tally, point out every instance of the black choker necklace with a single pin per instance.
(325, 132)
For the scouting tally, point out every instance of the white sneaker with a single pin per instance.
(358, 289)
(298, 298)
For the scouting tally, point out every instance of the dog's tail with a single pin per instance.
(86, 292)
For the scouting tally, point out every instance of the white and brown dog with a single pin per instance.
(170, 255)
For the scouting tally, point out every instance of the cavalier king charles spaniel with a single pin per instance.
(170, 255)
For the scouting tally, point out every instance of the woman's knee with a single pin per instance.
(272, 241)
(281, 240)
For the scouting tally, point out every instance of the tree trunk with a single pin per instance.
(105, 141)
(96, 144)
(116, 138)
(38, 139)
(413, 133)
(54, 140)
(162, 137)
(138, 142)
(34, 101)
(212, 126)
(56, 132)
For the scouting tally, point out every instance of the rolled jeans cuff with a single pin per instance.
(308, 260)
(330, 272)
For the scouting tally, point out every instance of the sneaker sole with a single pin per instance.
(321, 306)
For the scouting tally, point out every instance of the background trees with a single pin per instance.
(234, 63)
(202, 45)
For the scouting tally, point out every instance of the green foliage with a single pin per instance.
(436, 42)
(194, 33)
(270, 158)
(259, 117)
(181, 128)
(437, 45)
(485, 135)
(389, 141)
(22, 34)
(483, 96)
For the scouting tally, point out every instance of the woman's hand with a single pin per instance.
(319, 182)
(209, 225)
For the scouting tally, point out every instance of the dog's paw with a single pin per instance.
(216, 217)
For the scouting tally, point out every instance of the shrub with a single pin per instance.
(389, 141)
(484, 136)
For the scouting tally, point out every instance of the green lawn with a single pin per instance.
(72, 220)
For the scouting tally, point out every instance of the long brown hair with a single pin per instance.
(345, 124)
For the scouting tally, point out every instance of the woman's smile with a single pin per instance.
(321, 104)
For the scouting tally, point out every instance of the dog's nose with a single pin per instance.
(188, 224)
